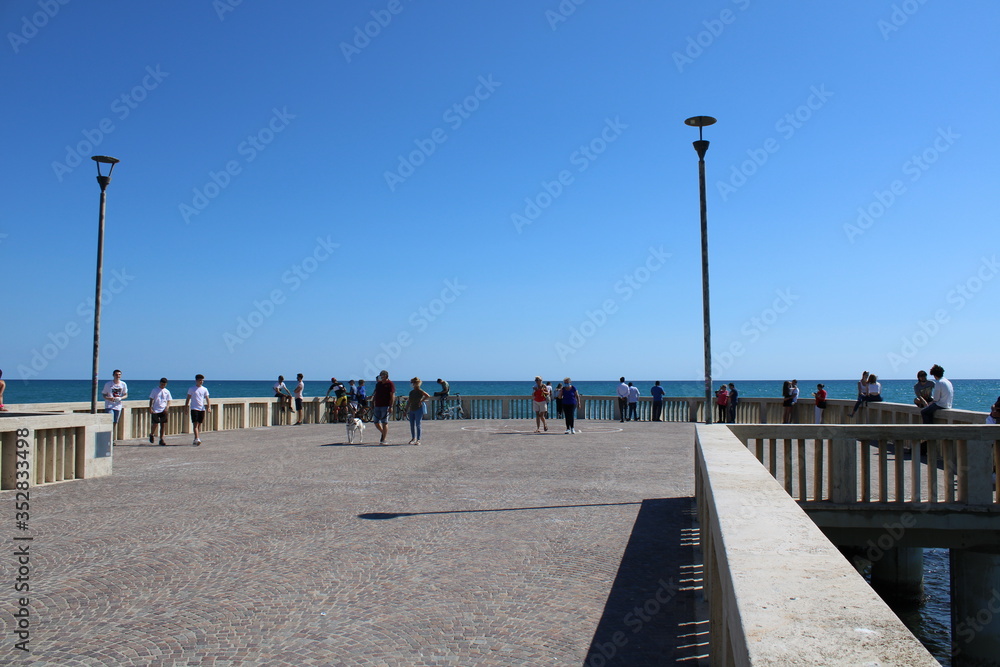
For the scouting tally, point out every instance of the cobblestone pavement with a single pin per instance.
(485, 545)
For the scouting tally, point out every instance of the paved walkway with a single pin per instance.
(485, 545)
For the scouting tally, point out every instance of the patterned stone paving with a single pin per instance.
(485, 545)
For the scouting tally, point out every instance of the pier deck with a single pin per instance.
(485, 545)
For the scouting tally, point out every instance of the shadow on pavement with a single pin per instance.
(650, 617)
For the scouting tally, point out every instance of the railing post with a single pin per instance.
(975, 472)
(843, 470)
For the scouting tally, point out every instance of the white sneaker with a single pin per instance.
(568, 431)
(196, 442)
(574, 431)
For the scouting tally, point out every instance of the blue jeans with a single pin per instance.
(416, 418)
(116, 413)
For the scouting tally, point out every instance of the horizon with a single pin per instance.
(398, 187)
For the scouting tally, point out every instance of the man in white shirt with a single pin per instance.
(159, 408)
(114, 392)
(633, 402)
(622, 398)
(942, 398)
(299, 388)
(197, 398)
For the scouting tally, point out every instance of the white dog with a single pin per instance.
(355, 429)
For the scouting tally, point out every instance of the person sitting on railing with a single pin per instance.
(862, 392)
(923, 390)
(942, 398)
(994, 416)
(874, 394)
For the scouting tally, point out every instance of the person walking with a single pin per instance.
(570, 400)
(415, 409)
(657, 393)
(383, 399)
(197, 398)
(559, 405)
(540, 403)
(115, 391)
(159, 408)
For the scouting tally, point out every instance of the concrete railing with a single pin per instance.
(779, 592)
(851, 464)
(45, 448)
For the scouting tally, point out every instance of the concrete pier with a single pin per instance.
(899, 574)
(975, 607)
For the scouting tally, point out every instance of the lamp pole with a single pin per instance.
(701, 147)
(103, 181)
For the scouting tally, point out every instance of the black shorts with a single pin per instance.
(298, 403)
(197, 416)
(787, 403)
(159, 417)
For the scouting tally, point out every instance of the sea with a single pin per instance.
(976, 395)
(930, 621)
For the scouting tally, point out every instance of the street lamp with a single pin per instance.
(103, 181)
(701, 147)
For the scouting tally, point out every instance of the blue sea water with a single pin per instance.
(976, 395)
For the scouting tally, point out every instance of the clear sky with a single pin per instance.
(496, 190)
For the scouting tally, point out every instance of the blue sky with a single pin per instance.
(498, 190)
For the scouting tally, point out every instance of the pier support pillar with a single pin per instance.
(975, 607)
(899, 573)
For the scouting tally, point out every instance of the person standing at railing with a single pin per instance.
(942, 397)
(3, 386)
(559, 405)
(820, 396)
(300, 387)
(994, 416)
(722, 404)
(657, 393)
(633, 402)
(622, 399)
(570, 399)
(540, 401)
(923, 390)
(734, 399)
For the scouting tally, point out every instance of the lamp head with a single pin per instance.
(102, 179)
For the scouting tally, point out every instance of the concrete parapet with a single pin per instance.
(779, 592)
(53, 447)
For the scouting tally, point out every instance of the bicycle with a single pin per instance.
(453, 411)
(399, 410)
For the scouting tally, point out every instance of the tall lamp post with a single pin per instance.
(103, 181)
(701, 147)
